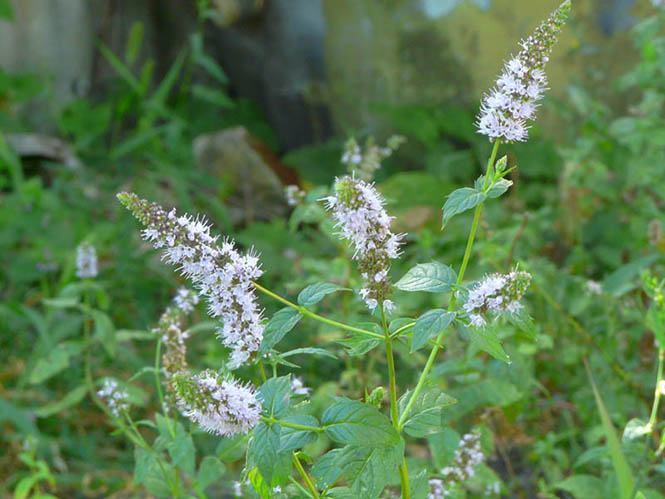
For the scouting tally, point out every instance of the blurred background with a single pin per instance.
(215, 106)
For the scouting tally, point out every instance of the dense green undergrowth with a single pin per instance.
(572, 412)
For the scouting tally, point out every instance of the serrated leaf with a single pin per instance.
(499, 187)
(316, 292)
(281, 323)
(263, 450)
(460, 201)
(486, 339)
(326, 470)
(70, 399)
(352, 422)
(291, 439)
(425, 416)
(433, 277)
(429, 325)
(182, 450)
(359, 345)
(275, 394)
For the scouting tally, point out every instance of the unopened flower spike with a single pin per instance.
(219, 404)
(221, 273)
(358, 209)
(506, 109)
(364, 162)
(496, 293)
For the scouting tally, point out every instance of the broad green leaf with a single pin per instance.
(622, 280)
(281, 323)
(291, 439)
(210, 470)
(429, 325)
(104, 331)
(523, 321)
(583, 487)
(486, 339)
(70, 399)
(619, 462)
(352, 422)
(55, 361)
(263, 450)
(499, 187)
(359, 345)
(259, 484)
(418, 483)
(432, 277)
(275, 394)
(367, 469)
(425, 415)
(147, 471)
(308, 351)
(399, 323)
(460, 201)
(443, 445)
(182, 450)
(316, 292)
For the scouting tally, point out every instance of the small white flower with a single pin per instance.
(298, 388)
(496, 293)
(115, 398)
(86, 261)
(294, 195)
(594, 288)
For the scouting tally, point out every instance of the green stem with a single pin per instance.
(314, 316)
(656, 397)
(460, 277)
(262, 371)
(293, 426)
(401, 330)
(305, 476)
(403, 472)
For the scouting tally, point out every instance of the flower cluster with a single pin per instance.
(366, 162)
(114, 398)
(505, 110)
(467, 457)
(358, 209)
(298, 387)
(219, 271)
(496, 293)
(86, 261)
(169, 328)
(219, 404)
(294, 195)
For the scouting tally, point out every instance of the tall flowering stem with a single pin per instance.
(507, 108)
(219, 271)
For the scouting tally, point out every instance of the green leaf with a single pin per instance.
(6, 10)
(418, 483)
(281, 323)
(275, 395)
(104, 331)
(55, 361)
(461, 200)
(359, 345)
(352, 422)
(212, 96)
(486, 339)
(429, 325)
(70, 399)
(308, 351)
(635, 429)
(425, 416)
(147, 471)
(432, 277)
(316, 292)
(583, 487)
(134, 41)
(211, 470)
(182, 450)
(263, 450)
(291, 439)
(622, 280)
(367, 469)
(21, 418)
(264, 489)
(619, 462)
(499, 187)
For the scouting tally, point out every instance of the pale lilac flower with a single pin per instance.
(594, 288)
(237, 489)
(496, 293)
(86, 261)
(219, 404)
(364, 163)
(298, 388)
(114, 398)
(467, 457)
(436, 489)
(294, 195)
(506, 109)
(221, 274)
(358, 209)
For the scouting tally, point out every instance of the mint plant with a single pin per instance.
(274, 412)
